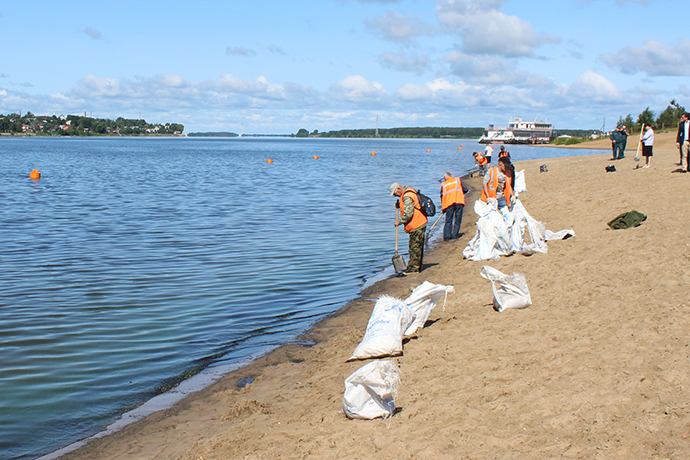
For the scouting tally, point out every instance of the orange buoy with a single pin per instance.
(373, 153)
(461, 145)
(459, 148)
(316, 157)
(35, 174)
(270, 160)
(428, 150)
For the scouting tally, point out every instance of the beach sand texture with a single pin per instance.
(597, 368)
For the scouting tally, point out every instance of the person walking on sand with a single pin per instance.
(683, 140)
(452, 204)
(488, 151)
(647, 140)
(498, 186)
(503, 153)
(415, 224)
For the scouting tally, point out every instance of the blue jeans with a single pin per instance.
(451, 229)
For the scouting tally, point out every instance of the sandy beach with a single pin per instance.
(596, 368)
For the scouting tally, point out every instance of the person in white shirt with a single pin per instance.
(647, 140)
(488, 151)
(683, 140)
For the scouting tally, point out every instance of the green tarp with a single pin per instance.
(627, 220)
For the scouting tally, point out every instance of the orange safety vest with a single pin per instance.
(451, 193)
(418, 218)
(503, 154)
(483, 160)
(493, 186)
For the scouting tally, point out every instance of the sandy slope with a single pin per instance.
(597, 368)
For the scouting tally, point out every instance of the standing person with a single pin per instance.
(683, 140)
(615, 136)
(503, 153)
(647, 140)
(415, 224)
(488, 151)
(622, 141)
(452, 204)
(498, 186)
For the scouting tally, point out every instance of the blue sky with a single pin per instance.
(273, 66)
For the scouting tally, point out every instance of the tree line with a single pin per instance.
(75, 125)
(422, 133)
(668, 118)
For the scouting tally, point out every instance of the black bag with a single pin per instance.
(427, 205)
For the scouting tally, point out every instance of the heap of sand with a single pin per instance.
(598, 367)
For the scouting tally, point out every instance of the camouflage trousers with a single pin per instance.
(416, 249)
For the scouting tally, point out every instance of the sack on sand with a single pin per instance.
(423, 300)
(384, 333)
(371, 390)
(512, 289)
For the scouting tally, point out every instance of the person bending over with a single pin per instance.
(415, 224)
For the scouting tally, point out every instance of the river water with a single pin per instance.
(134, 263)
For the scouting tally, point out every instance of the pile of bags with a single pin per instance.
(370, 391)
(502, 233)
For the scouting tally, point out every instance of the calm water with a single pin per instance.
(134, 263)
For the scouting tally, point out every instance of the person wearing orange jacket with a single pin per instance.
(498, 185)
(415, 224)
(453, 204)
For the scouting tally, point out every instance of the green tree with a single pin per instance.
(646, 117)
(671, 115)
(302, 133)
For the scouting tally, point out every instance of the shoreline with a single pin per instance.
(595, 368)
(246, 372)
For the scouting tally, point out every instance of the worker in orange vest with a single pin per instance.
(498, 185)
(503, 152)
(481, 162)
(415, 224)
(452, 204)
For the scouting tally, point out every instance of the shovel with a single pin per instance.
(639, 144)
(398, 261)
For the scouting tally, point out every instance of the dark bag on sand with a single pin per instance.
(428, 207)
(610, 168)
(627, 220)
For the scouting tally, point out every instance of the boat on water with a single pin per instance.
(519, 132)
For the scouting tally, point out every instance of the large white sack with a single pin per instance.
(387, 322)
(371, 390)
(512, 289)
(423, 300)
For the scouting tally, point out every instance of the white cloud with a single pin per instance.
(3, 92)
(404, 61)
(484, 29)
(396, 27)
(357, 88)
(653, 58)
(590, 86)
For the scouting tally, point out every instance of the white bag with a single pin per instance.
(423, 300)
(371, 390)
(384, 333)
(512, 289)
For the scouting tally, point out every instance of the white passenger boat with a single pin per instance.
(519, 132)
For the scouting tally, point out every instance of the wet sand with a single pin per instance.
(597, 368)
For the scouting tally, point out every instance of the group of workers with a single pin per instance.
(497, 188)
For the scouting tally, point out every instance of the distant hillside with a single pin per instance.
(426, 132)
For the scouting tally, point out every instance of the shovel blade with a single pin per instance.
(399, 263)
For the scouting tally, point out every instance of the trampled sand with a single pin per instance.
(597, 368)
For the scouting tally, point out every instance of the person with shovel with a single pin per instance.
(415, 224)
